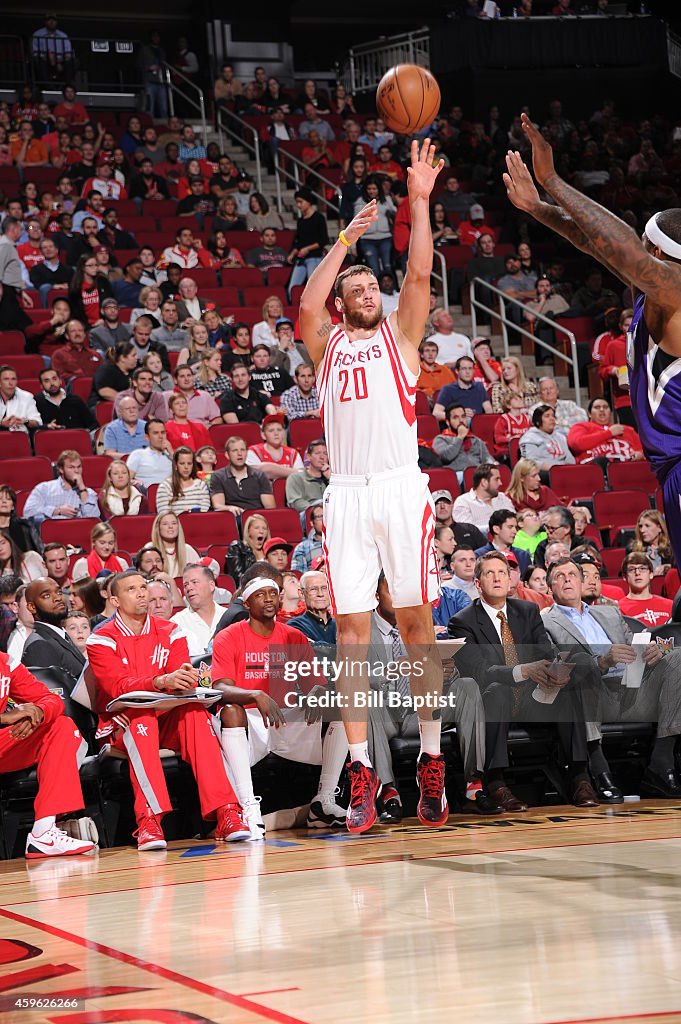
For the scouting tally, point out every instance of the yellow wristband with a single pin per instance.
(343, 239)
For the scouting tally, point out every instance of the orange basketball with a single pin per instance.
(408, 98)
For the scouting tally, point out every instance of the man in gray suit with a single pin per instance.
(386, 723)
(602, 632)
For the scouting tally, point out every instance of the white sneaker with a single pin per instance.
(55, 843)
(326, 813)
(253, 819)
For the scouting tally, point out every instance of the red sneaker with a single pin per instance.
(430, 775)
(364, 787)
(231, 827)
(149, 834)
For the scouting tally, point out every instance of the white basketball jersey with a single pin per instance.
(367, 400)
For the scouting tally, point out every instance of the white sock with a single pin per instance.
(43, 825)
(360, 752)
(334, 752)
(237, 751)
(430, 732)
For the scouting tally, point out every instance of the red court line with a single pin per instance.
(145, 965)
(272, 991)
(619, 1016)
(335, 867)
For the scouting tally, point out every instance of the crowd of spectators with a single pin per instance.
(194, 403)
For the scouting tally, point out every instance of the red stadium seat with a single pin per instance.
(256, 296)
(12, 343)
(303, 431)
(617, 581)
(73, 532)
(205, 528)
(283, 522)
(612, 560)
(470, 470)
(132, 532)
(205, 277)
(574, 483)
(427, 427)
(30, 384)
(224, 298)
(94, 470)
(104, 412)
(15, 445)
(241, 277)
(581, 326)
(81, 387)
(422, 404)
(279, 491)
(24, 474)
(151, 498)
(441, 479)
(639, 476)
(219, 433)
(617, 510)
(482, 426)
(27, 366)
(279, 276)
(52, 442)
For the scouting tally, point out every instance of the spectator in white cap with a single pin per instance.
(471, 229)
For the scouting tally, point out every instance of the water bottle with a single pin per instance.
(515, 12)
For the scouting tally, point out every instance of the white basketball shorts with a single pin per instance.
(380, 521)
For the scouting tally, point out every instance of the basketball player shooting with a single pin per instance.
(652, 266)
(378, 512)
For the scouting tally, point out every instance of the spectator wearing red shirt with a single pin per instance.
(88, 291)
(27, 151)
(613, 368)
(526, 489)
(640, 603)
(75, 113)
(187, 252)
(76, 358)
(471, 229)
(180, 429)
(249, 659)
(487, 368)
(29, 252)
(598, 438)
(514, 422)
(384, 164)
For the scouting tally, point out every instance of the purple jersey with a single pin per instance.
(656, 402)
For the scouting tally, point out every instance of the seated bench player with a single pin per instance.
(255, 701)
(136, 651)
(38, 733)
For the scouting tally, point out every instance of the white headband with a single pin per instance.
(656, 235)
(259, 583)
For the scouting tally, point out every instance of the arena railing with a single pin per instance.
(243, 133)
(674, 53)
(294, 177)
(367, 63)
(506, 323)
(13, 60)
(441, 276)
(194, 98)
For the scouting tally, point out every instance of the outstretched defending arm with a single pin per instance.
(610, 240)
(315, 323)
(412, 309)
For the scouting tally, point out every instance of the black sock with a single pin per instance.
(577, 772)
(597, 761)
(662, 757)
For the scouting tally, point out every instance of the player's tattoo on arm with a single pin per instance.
(325, 329)
(614, 243)
(558, 220)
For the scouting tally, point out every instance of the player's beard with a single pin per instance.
(362, 319)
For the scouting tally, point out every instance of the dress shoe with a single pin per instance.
(666, 785)
(505, 799)
(584, 795)
(608, 792)
(484, 804)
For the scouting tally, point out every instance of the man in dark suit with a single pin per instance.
(510, 654)
(503, 526)
(49, 646)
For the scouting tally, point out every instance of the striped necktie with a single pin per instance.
(511, 659)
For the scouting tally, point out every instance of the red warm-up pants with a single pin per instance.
(187, 730)
(54, 749)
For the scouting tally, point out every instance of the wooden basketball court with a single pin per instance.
(554, 916)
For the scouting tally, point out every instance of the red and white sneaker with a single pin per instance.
(432, 807)
(231, 827)
(364, 787)
(149, 834)
(55, 843)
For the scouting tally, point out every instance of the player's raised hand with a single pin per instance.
(542, 153)
(421, 176)
(520, 188)
(361, 222)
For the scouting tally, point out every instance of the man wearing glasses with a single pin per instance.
(640, 603)
(560, 527)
